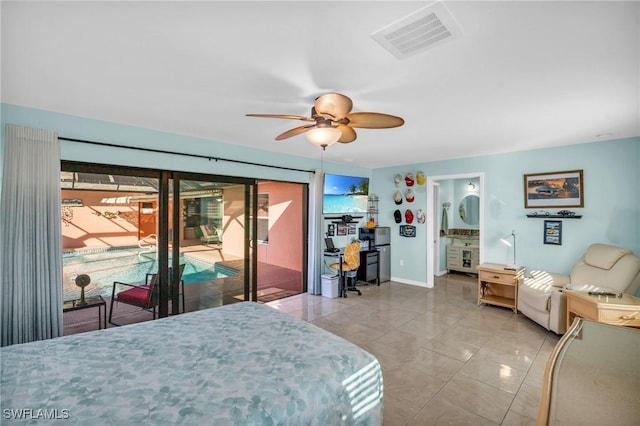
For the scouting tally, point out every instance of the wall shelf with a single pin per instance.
(338, 219)
(554, 216)
(372, 210)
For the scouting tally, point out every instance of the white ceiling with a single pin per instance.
(522, 75)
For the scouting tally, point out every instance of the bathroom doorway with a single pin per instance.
(456, 202)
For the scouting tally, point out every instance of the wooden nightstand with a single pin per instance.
(608, 309)
(499, 286)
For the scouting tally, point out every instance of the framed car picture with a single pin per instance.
(555, 189)
(553, 232)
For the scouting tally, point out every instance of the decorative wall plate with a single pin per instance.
(407, 231)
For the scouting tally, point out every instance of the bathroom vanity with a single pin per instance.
(462, 259)
(463, 251)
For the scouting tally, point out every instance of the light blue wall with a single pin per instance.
(611, 213)
(611, 177)
(460, 191)
(100, 131)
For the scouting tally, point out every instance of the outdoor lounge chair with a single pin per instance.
(211, 234)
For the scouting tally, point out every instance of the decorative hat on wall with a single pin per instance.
(397, 216)
(409, 195)
(408, 179)
(397, 197)
(408, 216)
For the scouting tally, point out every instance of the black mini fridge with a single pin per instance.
(378, 239)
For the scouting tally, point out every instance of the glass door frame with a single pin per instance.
(163, 177)
(250, 235)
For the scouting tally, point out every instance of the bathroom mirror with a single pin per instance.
(469, 209)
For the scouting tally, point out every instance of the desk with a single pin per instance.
(92, 302)
(608, 309)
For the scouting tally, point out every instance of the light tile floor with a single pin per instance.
(445, 360)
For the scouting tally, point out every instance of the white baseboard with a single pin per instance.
(410, 282)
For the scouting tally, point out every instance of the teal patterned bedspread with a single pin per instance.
(240, 364)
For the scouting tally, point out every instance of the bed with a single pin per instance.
(240, 364)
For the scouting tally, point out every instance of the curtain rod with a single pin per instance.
(161, 151)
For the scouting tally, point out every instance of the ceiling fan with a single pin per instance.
(334, 122)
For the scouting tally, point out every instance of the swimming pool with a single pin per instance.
(129, 266)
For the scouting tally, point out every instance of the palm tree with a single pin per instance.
(364, 186)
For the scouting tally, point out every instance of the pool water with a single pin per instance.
(129, 266)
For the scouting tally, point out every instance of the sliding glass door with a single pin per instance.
(281, 236)
(109, 229)
(207, 240)
(211, 221)
(195, 233)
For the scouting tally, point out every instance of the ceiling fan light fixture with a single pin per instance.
(334, 121)
(323, 136)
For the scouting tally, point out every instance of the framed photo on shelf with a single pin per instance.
(553, 232)
(554, 189)
(351, 228)
(331, 230)
(342, 229)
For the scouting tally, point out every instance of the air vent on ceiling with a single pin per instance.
(418, 31)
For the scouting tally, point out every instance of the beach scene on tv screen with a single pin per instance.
(345, 194)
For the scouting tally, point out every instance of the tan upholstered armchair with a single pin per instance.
(540, 295)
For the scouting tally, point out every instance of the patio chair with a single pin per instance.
(181, 291)
(143, 296)
(211, 234)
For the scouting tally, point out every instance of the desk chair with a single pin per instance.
(348, 268)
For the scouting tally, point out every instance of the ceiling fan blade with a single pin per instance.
(348, 134)
(374, 120)
(334, 105)
(288, 117)
(295, 131)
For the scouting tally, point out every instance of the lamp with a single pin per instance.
(323, 136)
(506, 241)
(471, 186)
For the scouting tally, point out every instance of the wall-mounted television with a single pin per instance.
(344, 194)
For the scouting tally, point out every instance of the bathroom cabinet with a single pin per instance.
(463, 258)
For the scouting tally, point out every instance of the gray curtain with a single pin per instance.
(314, 285)
(30, 219)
